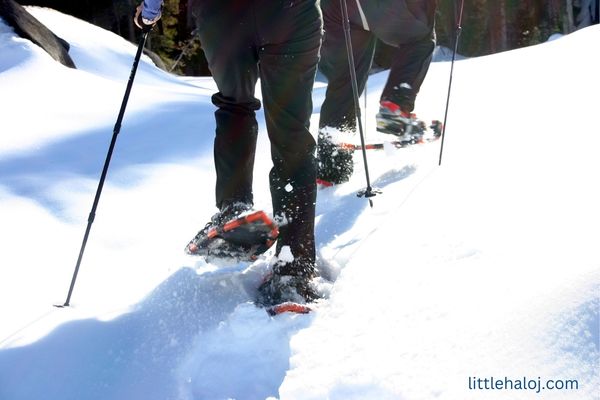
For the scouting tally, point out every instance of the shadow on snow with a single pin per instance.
(194, 336)
(142, 140)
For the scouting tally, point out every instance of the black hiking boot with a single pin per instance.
(289, 282)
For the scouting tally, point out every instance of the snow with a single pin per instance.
(485, 266)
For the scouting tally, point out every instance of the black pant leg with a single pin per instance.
(409, 26)
(234, 151)
(409, 66)
(288, 62)
(225, 31)
(338, 109)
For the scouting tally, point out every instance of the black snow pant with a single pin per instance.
(277, 41)
(407, 25)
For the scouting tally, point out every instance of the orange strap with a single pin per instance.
(248, 219)
(290, 307)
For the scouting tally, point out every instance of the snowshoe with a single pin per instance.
(424, 136)
(392, 120)
(242, 237)
(289, 288)
(278, 289)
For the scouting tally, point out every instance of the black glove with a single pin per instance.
(144, 24)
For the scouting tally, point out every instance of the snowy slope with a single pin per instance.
(484, 267)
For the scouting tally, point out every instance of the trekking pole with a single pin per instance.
(365, 92)
(458, 31)
(368, 192)
(116, 130)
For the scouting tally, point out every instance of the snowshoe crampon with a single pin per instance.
(243, 238)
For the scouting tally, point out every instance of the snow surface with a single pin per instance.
(487, 266)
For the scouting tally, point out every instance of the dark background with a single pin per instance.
(488, 26)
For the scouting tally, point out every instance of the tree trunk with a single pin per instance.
(553, 16)
(498, 28)
(570, 20)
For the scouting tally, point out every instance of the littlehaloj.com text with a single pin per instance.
(536, 385)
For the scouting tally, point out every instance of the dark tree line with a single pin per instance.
(488, 26)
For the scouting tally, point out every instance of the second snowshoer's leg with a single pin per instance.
(337, 122)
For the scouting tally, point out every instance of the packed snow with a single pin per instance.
(486, 267)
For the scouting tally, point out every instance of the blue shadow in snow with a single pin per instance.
(340, 215)
(142, 139)
(139, 355)
(580, 333)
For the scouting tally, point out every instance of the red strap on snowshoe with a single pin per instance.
(243, 238)
(292, 307)
(247, 219)
(324, 183)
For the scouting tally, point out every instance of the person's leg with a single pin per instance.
(407, 25)
(232, 58)
(337, 120)
(409, 68)
(288, 60)
(338, 109)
